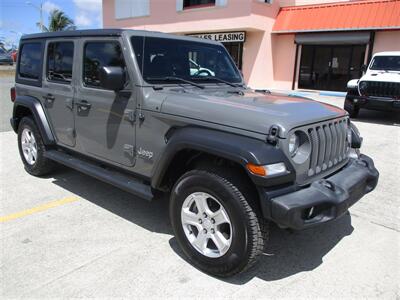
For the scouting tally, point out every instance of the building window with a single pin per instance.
(59, 61)
(98, 55)
(131, 9)
(189, 4)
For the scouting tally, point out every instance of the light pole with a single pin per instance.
(40, 8)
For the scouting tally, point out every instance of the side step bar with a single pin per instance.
(118, 179)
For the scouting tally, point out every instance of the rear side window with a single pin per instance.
(98, 55)
(30, 65)
(60, 56)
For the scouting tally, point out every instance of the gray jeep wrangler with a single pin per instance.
(131, 109)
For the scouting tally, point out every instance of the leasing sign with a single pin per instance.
(223, 37)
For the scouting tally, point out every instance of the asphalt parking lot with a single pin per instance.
(70, 236)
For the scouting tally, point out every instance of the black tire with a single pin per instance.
(352, 109)
(42, 165)
(249, 233)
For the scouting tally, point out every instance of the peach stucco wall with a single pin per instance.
(251, 16)
(268, 59)
(387, 41)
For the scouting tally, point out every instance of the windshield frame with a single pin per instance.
(383, 69)
(197, 80)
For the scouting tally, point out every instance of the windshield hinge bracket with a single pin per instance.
(273, 135)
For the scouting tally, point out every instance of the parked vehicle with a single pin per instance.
(123, 106)
(14, 54)
(379, 88)
(5, 58)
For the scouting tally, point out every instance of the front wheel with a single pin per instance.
(214, 224)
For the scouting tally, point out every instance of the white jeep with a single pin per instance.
(379, 88)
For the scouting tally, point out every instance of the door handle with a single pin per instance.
(83, 105)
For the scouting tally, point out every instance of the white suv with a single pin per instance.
(379, 88)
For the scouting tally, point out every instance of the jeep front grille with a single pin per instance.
(329, 146)
(381, 89)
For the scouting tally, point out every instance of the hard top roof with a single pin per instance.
(110, 32)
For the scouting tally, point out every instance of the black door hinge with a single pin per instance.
(130, 115)
(129, 149)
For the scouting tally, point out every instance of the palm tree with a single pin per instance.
(59, 21)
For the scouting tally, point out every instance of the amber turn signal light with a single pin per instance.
(256, 170)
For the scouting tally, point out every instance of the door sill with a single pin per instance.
(123, 181)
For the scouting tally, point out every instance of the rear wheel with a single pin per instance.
(214, 224)
(32, 149)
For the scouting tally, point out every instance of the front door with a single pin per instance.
(58, 90)
(330, 67)
(104, 118)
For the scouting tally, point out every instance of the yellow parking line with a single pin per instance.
(39, 208)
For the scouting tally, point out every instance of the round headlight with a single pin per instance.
(293, 144)
(363, 87)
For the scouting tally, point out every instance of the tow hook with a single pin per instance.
(329, 185)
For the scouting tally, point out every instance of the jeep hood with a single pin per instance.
(250, 110)
(382, 76)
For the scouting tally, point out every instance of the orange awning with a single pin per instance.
(339, 16)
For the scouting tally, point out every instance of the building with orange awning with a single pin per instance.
(286, 44)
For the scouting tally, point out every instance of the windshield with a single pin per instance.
(389, 63)
(160, 58)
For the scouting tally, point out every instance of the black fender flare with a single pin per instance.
(237, 148)
(39, 116)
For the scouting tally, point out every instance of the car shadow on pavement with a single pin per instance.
(378, 117)
(152, 216)
(290, 252)
(287, 252)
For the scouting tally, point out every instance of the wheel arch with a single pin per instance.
(30, 106)
(188, 146)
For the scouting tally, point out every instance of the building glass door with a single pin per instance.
(330, 67)
(235, 50)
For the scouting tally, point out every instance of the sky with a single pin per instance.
(17, 17)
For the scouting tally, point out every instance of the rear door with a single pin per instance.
(104, 118)
(58, 89)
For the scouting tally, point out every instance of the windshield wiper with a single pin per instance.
(221, 80)
(173, 78)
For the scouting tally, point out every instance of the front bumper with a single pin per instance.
(374, 103)
(324, 200)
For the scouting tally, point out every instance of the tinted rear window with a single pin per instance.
(30, 61)
(60, 56)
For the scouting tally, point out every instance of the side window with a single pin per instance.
(98, 55)
(30, 61)
(197, 3)
(60, 56)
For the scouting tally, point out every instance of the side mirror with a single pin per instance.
(112, 78)
(364, 68)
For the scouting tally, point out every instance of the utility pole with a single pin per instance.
(40, 8)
